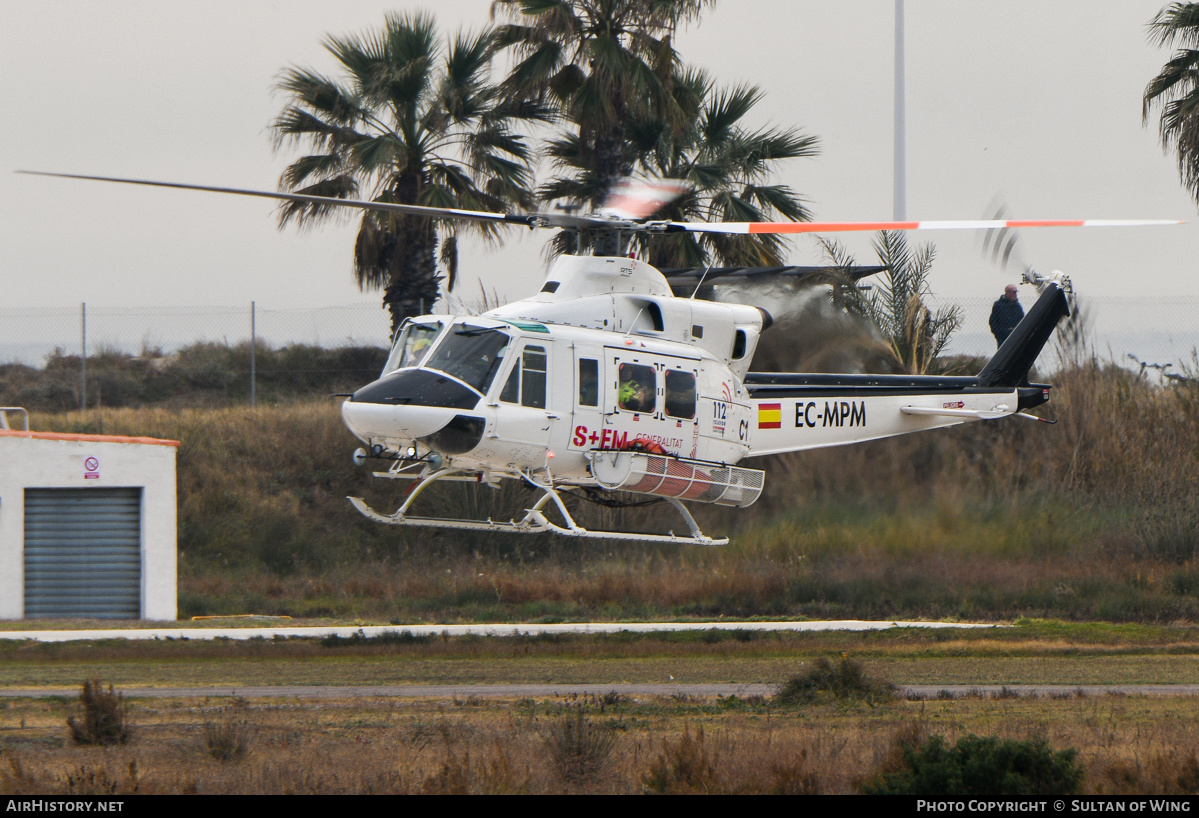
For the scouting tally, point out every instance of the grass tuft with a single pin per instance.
(227, 739)
(103, 716)
(683, 767)
(580, 749)
(845, 681)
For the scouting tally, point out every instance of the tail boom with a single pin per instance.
(794, 411)
(795, 417)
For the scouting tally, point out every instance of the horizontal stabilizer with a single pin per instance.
(976, 414)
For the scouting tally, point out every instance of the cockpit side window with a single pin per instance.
(471, 354)
(412, 346)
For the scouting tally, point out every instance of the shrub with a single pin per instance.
(104, 716)
(847, 680)
(227, 740)
(460, 775)
(682, 767)
(1173, 772)
(982, 766)
(385, 639)
(579, 748)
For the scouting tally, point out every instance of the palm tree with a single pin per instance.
(629, 105)
(913, 334)
(413, 122)
(1175, 90)
(727, 167)
(598, 62)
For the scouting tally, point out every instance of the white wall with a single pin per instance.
(44, 460)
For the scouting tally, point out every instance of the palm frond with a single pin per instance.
(728, 108)
(378, 154)
(1175, 90)
(305, 214)
(320, 94)
(300, 171)
(1177, 22)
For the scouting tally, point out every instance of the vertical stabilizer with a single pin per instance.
(1013, 360)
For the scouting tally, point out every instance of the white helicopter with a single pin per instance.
(606, 381)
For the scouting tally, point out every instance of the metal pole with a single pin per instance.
(253, 345)
(900, 147)
(83, 360)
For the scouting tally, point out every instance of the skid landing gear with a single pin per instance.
(534, 521)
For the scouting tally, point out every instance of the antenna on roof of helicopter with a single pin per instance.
(700, 283)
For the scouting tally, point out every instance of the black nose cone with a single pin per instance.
(418, 387)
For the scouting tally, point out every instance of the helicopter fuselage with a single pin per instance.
(606, 360)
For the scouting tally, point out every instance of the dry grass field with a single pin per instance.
(834, 741)
(607, 745)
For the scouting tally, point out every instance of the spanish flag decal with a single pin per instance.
(770, 415)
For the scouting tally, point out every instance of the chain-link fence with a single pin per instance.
(27, 336)
(1156, 330)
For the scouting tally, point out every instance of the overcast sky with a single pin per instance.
(1034, 101)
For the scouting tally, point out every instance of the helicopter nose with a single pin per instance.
(416, 405)
(443, 430)
(377, 421)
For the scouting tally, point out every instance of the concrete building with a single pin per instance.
(87, 526)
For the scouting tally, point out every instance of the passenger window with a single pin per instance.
(638, 388)
(588, 382)
(680, 394)
(526, 382)
(533, 378)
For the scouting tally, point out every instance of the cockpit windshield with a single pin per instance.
(471, 354)
(412, 345)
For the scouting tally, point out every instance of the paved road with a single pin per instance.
(520, 691)
(516, 691)
(463, 630)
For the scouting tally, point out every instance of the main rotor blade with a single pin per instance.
(615, 222)
(387, 207)
(848, 227)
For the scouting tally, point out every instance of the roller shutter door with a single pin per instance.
(83, 553)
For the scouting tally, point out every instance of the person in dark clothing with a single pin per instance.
(1005, 315)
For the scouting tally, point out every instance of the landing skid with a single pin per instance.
(534, 521)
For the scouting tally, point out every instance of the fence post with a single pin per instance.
(253, 347)
(83, 359)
